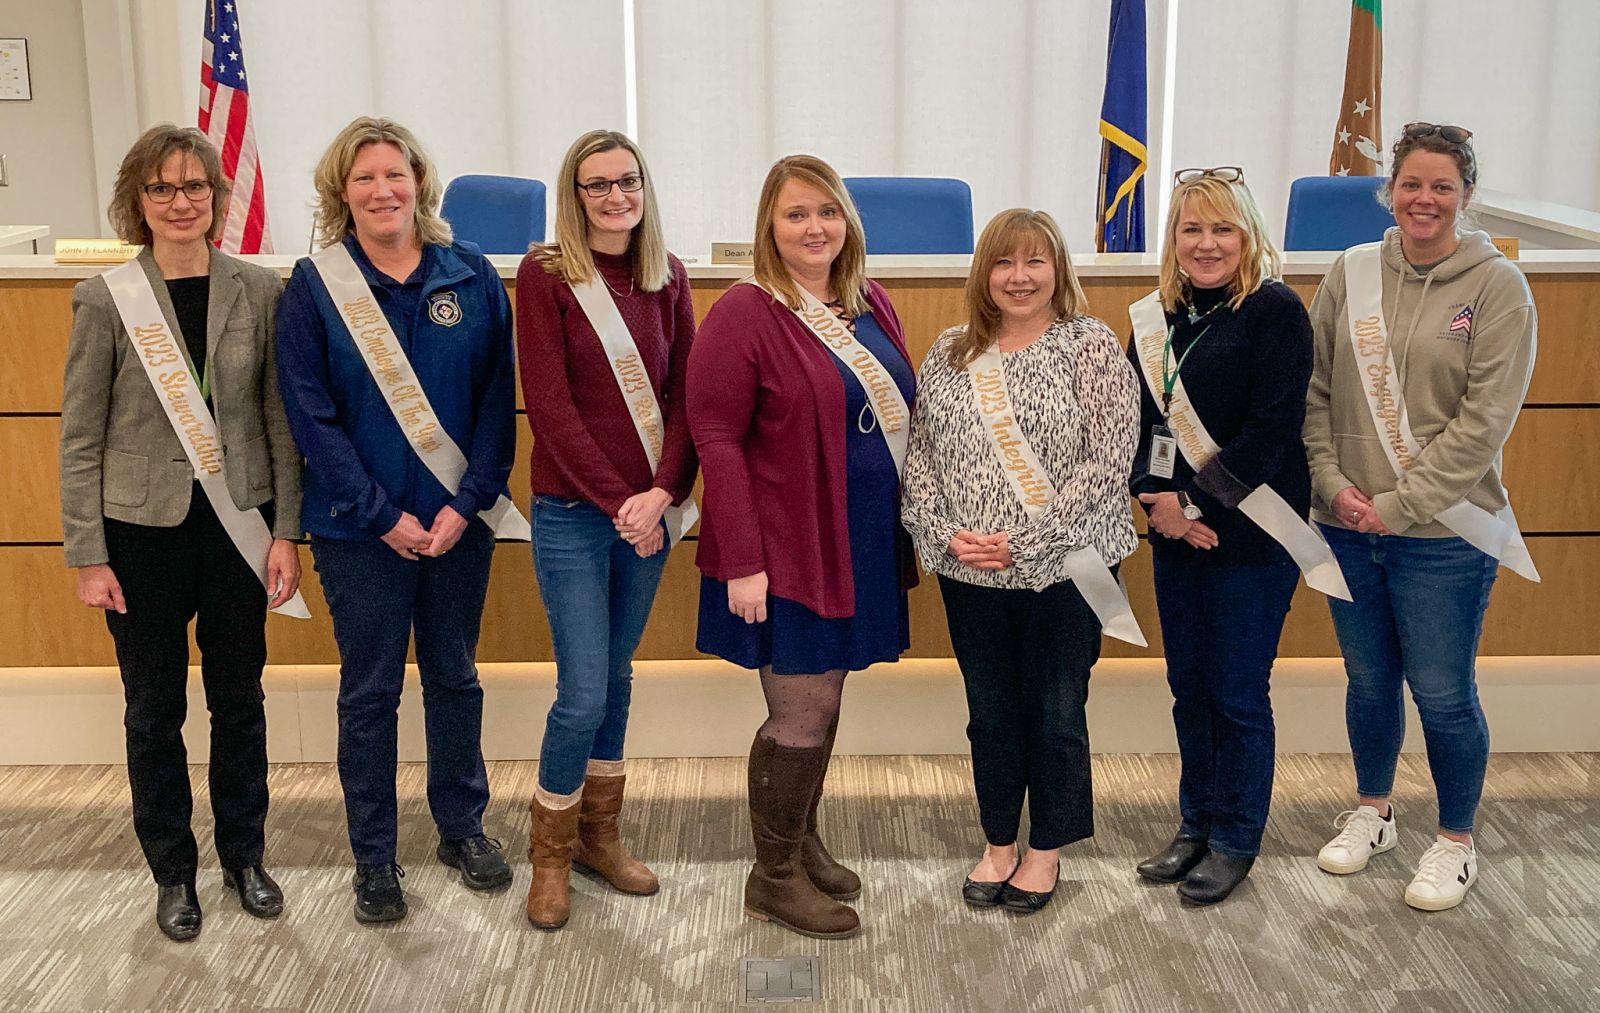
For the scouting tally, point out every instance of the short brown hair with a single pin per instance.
(848, 275)
(144, 159)
(333, 219)
(1009, 230)
(1465, 158)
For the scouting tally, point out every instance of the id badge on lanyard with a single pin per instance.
(1163, 451)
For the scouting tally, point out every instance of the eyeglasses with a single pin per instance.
(162, 193)
(600, 187)
(1226, 173)
(1455, 135)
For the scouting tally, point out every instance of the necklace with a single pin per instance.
(619, 295)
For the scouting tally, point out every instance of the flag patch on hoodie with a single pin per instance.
(1460, 328)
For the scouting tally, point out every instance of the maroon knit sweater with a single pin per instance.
(584, 443)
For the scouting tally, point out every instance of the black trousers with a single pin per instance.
(1025, 657)
(170, 576)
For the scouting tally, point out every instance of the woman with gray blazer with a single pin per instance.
(148, 541)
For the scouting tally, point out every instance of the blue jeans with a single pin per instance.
(1220, 625)
(597, 594)
(1416, 620)
(377, 599)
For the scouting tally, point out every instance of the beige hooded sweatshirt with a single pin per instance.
(1462, 386)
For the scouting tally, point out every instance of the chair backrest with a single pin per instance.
(1334, 213)
(913, 214)
(501, 214)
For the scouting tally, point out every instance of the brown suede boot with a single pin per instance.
(830, 877)
(778, 889)
(600, 848)
(550, 852)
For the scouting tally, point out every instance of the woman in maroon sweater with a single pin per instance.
(604, 325)
(799, 399)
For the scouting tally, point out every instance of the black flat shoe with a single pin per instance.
(178, 912)
(1214, 878)
(981, 893)
(1173, 863)
(259, 894)
(479, 860)
(1014, 898)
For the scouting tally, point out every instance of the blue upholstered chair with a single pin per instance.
(913, 214)
(1334, 213)
(502, 214)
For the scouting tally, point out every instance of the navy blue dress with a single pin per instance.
(795, 640)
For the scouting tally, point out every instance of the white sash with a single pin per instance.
(1263, 505)
(160, 352)
(1493, 534)
(888, 405)
(1033, 487)
(401, 389)
(634, 383)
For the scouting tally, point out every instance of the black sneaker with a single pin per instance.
(378, 894)
(479, 859)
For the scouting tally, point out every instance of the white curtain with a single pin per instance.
(1259, 83)
(1004, 94)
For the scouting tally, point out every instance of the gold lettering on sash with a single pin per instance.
(1372, 349)
(1179, 420)
(174, 387)
(879, 385)
(994, 402)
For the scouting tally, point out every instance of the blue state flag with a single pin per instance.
(1119, 214)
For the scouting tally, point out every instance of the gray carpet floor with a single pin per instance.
(76, 904)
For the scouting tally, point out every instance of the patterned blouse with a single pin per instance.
(1077, 400)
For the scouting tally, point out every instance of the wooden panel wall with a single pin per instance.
(1551, 464)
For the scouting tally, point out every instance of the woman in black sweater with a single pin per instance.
(1223, 350)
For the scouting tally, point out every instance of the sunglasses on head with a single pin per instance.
(1453, 134)
(1226, 173)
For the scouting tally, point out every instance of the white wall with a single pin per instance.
(47, 141)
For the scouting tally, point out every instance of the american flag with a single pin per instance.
(225, 118)
(1463, 320)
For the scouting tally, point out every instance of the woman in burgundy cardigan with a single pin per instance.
(604, 324)
(799, 401)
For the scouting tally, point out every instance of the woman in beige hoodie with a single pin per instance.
(1424, 347)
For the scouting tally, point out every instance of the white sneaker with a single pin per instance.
(1362, 834)
(1443, 876)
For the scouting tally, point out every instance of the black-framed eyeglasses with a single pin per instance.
(630, 183)
(162, 193)
(1453, 134)
(1226, 173)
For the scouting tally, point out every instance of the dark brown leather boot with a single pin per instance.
(778, 890)
(600, 848)
(550, 852)
(825, 871)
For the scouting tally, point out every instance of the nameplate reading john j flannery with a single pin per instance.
(94, 251)
(733, 253)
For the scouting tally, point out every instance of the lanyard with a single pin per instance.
(1170, 380)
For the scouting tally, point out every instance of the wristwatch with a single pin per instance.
(1190, 511)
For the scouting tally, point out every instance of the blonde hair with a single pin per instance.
(1014, 229)
(332, 217)
(848, 275)
(569, 257)
(144, 159)
(1225, 201)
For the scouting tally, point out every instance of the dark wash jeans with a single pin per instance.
(597, 594)
(1220, 626)
(1416, 620)
(170, 576)
(1025, 657)
(377, 599)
